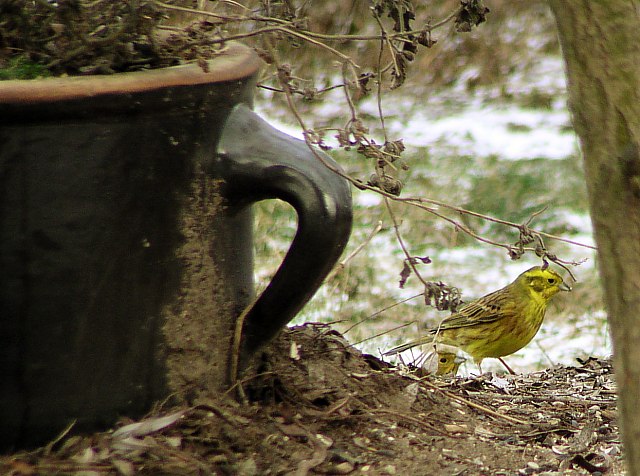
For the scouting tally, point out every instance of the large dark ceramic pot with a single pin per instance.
(126, 239)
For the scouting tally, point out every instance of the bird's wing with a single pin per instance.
(490, 308)
(482, 311)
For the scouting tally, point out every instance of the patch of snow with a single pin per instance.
(507, 132)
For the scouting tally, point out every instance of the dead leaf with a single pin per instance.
(294, 352)
(146, 427)
(124, 467)
(453, 428)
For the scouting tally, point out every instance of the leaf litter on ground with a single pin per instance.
(330, 409)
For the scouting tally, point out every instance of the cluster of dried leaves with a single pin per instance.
(80, 37)
(399, 44)
(75, 37)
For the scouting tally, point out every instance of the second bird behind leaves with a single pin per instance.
(499, 323)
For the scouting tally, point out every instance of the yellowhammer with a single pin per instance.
(499, 323)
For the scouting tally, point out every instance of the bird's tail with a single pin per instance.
(408, 345)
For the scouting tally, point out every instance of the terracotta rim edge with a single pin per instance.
(236, 61)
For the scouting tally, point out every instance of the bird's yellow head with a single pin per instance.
(541, 283)
(442, 360)
(448, 363)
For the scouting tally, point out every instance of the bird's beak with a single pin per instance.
(564, 287)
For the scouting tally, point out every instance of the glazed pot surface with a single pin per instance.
(126, 246)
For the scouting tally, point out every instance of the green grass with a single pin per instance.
(22, 68)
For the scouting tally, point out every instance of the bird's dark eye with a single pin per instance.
(551, 281)
(443, 360)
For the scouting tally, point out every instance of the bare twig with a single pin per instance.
(380, 334)
(477, 406)
(410, 261)
(399, 415)
(237, 341)
(342, 264)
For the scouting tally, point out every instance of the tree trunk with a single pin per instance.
(601, 48)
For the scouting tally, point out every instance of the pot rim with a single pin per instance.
(235, 61)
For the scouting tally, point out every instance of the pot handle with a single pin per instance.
(261, 162)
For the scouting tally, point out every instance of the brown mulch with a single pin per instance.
(319, 406)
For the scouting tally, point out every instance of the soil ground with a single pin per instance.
(316, 405)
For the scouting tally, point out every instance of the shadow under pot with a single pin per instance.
(126, 239)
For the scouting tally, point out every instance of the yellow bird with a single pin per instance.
(499, 323)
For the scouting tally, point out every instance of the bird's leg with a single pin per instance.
(506, 366)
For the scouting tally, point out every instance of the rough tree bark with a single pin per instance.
(601, 48)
